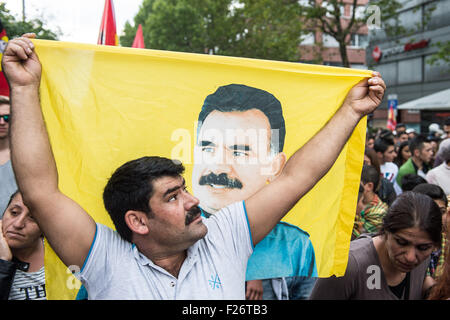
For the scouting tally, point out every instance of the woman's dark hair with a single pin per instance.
(11, 199)
(131, 187)
(399, 160)
(433, 191)
(412, 209)
(372, 155)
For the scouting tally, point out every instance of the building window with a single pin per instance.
(359, 40)
(438, 71)
(411, 19)
(360, 12)
(410, 70)
(330, 9)
(388, 71)
(308, 39)
(329, 41)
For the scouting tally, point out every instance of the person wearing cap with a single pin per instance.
(434, 131)
(411, 133)
(7, 180)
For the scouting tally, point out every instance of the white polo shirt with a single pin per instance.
(214, 268)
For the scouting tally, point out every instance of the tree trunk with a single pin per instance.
(343, 52)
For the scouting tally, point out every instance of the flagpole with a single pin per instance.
(23, 10)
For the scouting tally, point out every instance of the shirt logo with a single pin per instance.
(215, 282)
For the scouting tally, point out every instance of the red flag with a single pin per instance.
(108, 35)
(391, 121)
(4, 88)
(139, 38)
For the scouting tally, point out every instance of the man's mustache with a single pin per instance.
(192, 214)
(221, 179)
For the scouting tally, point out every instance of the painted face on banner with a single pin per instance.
(232, 158)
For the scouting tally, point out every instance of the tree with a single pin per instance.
(328, 18)
(248, 28)
(16, 28)
(267, 29)
(442, 55)
(182, 25)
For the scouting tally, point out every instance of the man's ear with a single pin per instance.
(278, 163)
(137, 221)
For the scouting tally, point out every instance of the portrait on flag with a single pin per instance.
(239, 149)
(104, 106)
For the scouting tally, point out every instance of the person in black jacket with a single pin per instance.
(22, 275)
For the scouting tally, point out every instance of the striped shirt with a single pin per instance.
(28, 286)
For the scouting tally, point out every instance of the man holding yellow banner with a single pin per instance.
(162, 249)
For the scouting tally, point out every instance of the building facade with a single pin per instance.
(403, 59)
(322, 48)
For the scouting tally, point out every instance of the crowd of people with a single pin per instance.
(402, 219)
(162, 247)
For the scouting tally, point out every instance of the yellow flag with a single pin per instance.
(104, 106)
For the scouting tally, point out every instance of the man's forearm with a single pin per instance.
(318, 155)
(31, 154)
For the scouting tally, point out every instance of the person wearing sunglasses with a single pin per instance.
(8, 183)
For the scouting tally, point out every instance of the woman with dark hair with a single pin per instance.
(392, 264)
(403, 153)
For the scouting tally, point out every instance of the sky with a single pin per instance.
(78, 20)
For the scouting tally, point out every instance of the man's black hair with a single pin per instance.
(410, 181)
(447, 121)
(386, 134)
(433, 191)
(382, 144)
(238, 97)
(370, 174)
(417, 143)
(131, 187)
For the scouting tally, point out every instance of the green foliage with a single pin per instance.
(16, 28)
(442, 55)
(248, 28)
(181, 25)
(267, 29)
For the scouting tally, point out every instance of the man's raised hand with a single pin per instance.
(20, 63)
(366, 96)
